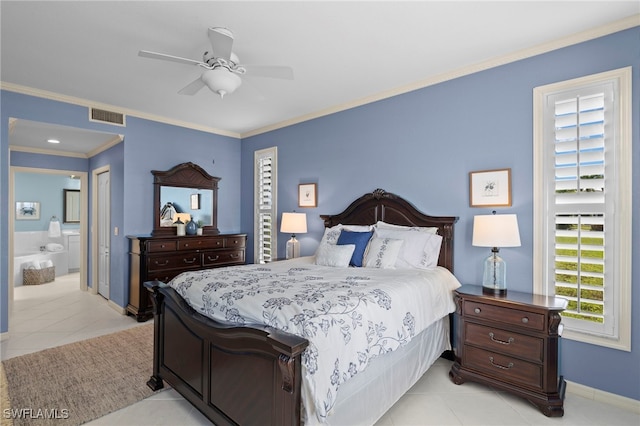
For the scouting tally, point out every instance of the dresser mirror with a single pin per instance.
(184, 192)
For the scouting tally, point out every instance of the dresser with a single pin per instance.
(510, 342)
(162, 258)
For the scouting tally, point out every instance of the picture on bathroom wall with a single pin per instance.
(27, 210)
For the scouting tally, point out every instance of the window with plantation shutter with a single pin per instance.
(265, 226)
(582, 206)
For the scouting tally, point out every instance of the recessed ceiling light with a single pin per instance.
(53, 141)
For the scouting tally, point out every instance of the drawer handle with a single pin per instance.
(500, 366)
(187, 261)
(502, 342)
(525, 320)
(165, 263)
(186, 244)
(477, 310)
(213, 259)
(233, 256)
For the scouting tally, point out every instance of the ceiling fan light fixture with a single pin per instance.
(221, 81)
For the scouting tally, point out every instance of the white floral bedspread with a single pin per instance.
(349, 315)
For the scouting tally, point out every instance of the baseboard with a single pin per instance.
(619, 401)
(119, 309)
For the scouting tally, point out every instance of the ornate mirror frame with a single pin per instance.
(185, 175)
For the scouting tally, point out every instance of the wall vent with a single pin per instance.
(105, 116)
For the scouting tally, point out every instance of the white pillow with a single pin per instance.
(382, 253)
(332, 234)
(418, 249)
(385, 225)
(432, 250)
(334, 255)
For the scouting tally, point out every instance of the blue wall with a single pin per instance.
(147, 146)
(422, 145)
(47, 189)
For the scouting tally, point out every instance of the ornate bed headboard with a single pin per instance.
(387, 207)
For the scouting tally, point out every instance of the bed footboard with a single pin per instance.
(245, 375)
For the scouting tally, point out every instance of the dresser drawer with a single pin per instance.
(161, 246)
(178, 261)
(234, 242)
(164, 276)
(222, 257)
(503, 367)
(517, 317)
(506, 342)
(195, 243)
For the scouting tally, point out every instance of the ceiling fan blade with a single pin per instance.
(270, 71)
(193, 87)
(165, 57)
(221, 42)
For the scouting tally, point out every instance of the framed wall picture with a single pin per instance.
(27, 210)
(307, 195)
(195, 201)
(490, 188)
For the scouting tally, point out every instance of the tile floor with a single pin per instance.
(58, 313)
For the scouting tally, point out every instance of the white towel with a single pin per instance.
(46, 264)
(54, 229)
(54, 247)
(31, 265)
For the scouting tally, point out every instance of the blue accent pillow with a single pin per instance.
(360, 240)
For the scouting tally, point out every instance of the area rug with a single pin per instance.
(78, 382)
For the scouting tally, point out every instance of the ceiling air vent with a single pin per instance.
(105, 116)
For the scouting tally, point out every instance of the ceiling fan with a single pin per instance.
(222, 67)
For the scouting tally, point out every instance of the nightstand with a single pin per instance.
(510, 342)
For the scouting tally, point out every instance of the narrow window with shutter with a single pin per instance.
(582, 204)
(265, 202)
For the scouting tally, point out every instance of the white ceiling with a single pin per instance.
(343, 53)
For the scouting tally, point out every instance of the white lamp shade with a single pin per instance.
(294, 223)
(221, 81)
(496, 231)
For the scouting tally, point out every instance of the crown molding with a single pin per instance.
(126, 111)
(30, 150)
(616, 26)
(613, 27)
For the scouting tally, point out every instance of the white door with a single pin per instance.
(103, 228)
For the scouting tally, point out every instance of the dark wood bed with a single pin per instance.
(251, 375)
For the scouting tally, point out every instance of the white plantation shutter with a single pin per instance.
(265, 204)
(582, 203)
(578, 203)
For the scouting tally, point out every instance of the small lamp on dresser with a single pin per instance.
(293, 223)
(495, 231)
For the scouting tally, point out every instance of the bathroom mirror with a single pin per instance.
(71, 205)
(186, 189)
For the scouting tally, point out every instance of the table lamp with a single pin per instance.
(294, 223)
(495, 231)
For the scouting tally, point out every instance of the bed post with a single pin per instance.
(155, 382)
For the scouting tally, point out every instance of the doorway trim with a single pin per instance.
(94, 224)
(84, 216)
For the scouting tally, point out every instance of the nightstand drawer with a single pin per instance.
(517, 317)
(506, 342)
(503, 367)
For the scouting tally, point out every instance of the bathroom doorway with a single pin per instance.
(42, 236)
(31, 151)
